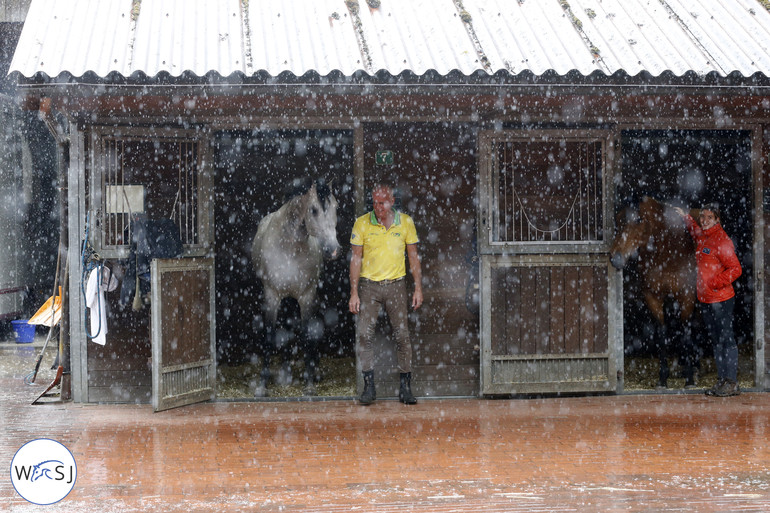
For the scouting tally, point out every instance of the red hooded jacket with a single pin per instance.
(718, 266)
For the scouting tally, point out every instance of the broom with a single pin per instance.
(30, 378)
(60, 368)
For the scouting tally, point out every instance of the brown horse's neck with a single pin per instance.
(666, 245)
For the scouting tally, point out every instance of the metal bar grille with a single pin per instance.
(187, 193)
(115, 205)
(184, 381)
(548, 191)
(157, 178)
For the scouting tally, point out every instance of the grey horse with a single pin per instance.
(288, 252)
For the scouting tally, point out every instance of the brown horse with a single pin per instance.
(656, 236)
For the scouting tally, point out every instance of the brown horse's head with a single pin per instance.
(636, 229)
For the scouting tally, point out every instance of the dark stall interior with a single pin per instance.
(434, 171)
(253, 170)
(689, 168)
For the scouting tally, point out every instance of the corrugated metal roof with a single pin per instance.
(324, 36)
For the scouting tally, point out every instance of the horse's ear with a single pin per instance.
(321, 183)
(313, 191)
(649, 206)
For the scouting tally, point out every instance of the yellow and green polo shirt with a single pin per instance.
(383, 249)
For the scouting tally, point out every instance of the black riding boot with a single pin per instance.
(405, 391)
(369, 394)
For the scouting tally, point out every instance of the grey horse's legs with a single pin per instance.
(310, 337)
(269, 315)
(311, 332)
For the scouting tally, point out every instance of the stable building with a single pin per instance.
(513, 131)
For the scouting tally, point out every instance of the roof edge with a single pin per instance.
(405, 78)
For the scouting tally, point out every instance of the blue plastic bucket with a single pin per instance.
(24, 332)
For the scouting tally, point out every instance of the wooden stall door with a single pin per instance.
(545, 326)
(183, 332)
(546, 314)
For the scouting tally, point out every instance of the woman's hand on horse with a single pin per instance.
(354, 305)
(681, 211)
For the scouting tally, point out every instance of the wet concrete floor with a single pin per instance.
(639, 453)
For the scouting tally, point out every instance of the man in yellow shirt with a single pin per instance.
(377, 272)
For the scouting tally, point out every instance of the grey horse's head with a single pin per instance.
(321, 218)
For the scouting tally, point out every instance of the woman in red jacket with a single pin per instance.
(718, 268)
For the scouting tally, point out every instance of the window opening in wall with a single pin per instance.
(156, 177)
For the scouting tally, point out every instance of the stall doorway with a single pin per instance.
(253, 170)
(690, 168)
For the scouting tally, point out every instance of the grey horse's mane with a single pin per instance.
(300, 186)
